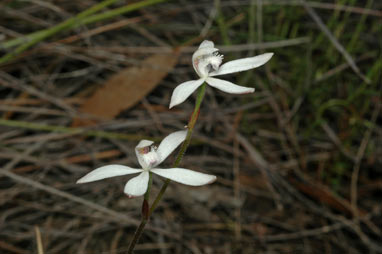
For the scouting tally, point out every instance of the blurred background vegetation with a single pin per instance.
(299, 162)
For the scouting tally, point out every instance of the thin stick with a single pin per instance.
(69, 130)
(334, 41)
(40, 249)
(357, 165)
(113, 214)
(236, 189)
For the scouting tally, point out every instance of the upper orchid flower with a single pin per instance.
(206, 62)
(149, 157)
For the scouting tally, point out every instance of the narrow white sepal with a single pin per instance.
(185, 176)
(144, 143)
(184, 90)
(107, 172)
(137, 186)
(203, 51)
(205, 48)
(206, 44)
(229, 87)
(169, 144)
(242, 64)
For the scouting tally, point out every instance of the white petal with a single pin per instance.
(169, 144)
(144, 143)
(106, 172)
(202, 52)
(242, 64)
(207, 44)
(184, 90)
(137, 186)
(185, 176)
(229, 87)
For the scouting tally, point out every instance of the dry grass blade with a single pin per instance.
(113, 214)
(261, 163)
(40, 248)
(334, 41)
(11, 248)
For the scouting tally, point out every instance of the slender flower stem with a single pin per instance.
(182, 151)
(145, 202)
(137, 235)
(147, 194)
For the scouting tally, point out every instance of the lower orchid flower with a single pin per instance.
(206, 62)
(149, 157)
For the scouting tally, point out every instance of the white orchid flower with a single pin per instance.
(149, 157)
(206, 62)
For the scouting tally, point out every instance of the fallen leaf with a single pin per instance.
(324, 195)
(126, 88)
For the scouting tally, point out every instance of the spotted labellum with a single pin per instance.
(149, 157)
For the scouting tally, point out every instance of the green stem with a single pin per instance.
(147, 194)
(145, 216)
(137, 235)
(185, 144)
(83, 18)
(182, 151)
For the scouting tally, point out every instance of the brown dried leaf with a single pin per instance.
(324, 195)
(126, 88)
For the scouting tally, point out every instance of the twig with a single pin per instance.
(262, 164)
(21, 156)
(211, 17)
(112, 215)
(357, 165)
(226, 49)
(259, 20)
(332, 135)
(40, 248)
(314, 4)
(302, 234)
(70, 130)
(236, 181)
(34, 110)
(6, 246)
(334, 41)
(324, 212)
(9, 81)
(341, 67)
